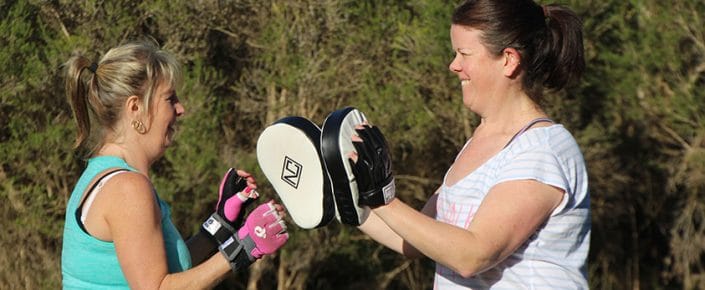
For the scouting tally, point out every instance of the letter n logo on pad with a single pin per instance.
(291, 173)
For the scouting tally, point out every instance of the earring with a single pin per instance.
(138, 126)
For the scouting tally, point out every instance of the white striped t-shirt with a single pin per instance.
(555, 256)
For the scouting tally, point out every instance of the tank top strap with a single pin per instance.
(526, 127)
(84, 205)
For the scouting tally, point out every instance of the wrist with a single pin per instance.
(380, 196)
(218, 228)
(235, 251)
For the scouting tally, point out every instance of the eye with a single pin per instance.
(463, 52)
(173, 99)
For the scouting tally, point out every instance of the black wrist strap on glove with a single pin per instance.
(237, 252)
(218, 228)
(379, 196)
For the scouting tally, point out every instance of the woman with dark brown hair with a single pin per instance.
(513, 211)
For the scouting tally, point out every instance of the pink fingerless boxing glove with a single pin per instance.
(233, 196)
(263, 233)
(265, 227)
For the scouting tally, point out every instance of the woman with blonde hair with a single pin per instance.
(118, 232)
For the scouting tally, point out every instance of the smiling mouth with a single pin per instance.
(171, 128)
(464, 82)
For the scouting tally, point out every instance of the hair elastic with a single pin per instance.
(93, 67)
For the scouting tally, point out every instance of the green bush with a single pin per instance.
(637, 114)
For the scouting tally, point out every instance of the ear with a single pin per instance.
(512, 60)
(134, 108)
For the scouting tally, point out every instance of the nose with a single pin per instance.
(454, 65)
(180, 110)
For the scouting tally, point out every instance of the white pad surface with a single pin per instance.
(288, 154)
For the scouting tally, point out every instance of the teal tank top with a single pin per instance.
(89, 263)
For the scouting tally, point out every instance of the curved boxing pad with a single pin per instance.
(288, 154)
(336, 143)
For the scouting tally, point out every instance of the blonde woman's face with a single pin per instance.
(166, 108)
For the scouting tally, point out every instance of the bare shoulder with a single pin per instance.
(130, 193)
(130, 185)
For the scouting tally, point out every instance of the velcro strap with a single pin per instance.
(218, 228)
(237, 252)
(379, 196)
(388, 191)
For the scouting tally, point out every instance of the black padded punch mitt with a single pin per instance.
(336, 143)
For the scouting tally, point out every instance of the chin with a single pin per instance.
(169, 139)
(467, 102)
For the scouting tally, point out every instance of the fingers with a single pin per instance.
(353, 156)
(251, 182)
(282, 238)
(377, 137)
(278, 227)
(364, 151)
(274, 220)
(280, 210)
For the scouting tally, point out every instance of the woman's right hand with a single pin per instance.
(266, 228)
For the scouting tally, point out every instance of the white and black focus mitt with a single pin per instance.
(288, 154)
(311, 170)
(336, 144)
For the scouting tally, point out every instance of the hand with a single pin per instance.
(373, 168)
(236, 192)
(264, 231)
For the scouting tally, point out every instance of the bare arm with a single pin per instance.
(510, 213)
(378, 230)
(133, 217)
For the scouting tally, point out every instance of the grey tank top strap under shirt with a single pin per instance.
(531, 123)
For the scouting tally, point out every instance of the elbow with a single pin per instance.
(410, 251)
(470, 267)
(467, 272)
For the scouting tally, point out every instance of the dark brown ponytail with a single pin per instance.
(564, 47)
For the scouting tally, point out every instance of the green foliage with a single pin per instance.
(637, 113)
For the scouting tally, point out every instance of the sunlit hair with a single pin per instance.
(548, 38)
(98, 91)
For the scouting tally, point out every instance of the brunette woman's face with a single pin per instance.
(477, 69)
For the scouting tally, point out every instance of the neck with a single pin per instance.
(133, 156)
(510, 113)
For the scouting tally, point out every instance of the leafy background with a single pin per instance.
(638, 115)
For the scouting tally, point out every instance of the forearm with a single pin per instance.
(383, 234)
(451, 246)
(201, 246)
(204, 276)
